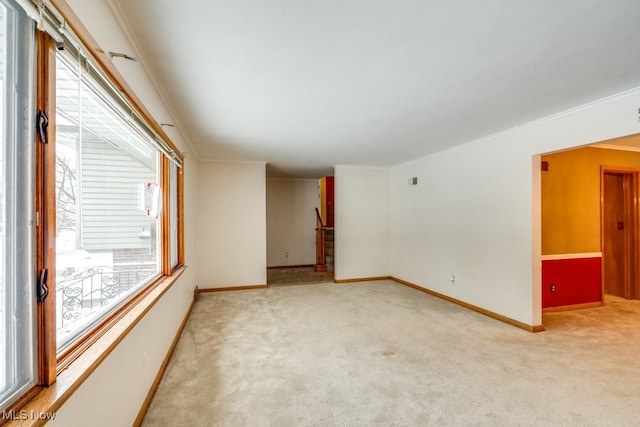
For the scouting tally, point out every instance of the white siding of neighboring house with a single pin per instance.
(110, 216)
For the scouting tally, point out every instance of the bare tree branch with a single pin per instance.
(66, 206)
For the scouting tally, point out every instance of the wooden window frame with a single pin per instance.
(165, 215)
(180, 217)
(65, 358)
(165, 184)
(46, 207)
(54, 362)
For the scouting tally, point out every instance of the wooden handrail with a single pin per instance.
(319, 223)
(321, 261)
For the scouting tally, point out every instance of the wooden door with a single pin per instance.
(329, 206)
(613, 236)
(619, 228)
(326, 200)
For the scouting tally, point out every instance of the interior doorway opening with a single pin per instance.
(589, 250)
(298, 210)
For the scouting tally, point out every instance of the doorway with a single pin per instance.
(620, 227)
(586, 261)
(292, 209)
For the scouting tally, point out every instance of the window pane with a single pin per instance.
(173, 192)
(17, 300)
(107, 201)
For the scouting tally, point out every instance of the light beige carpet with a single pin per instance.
(378, 353)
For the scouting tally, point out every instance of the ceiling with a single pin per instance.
(308, 84)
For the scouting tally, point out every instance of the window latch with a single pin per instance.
(42, 125)
(41, 288)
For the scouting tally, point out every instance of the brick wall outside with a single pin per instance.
(130, 275)
(123, 256)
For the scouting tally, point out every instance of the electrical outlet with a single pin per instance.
(286, 254)
(553, 288)
(452, 279)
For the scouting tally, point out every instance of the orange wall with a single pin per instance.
(571, 198)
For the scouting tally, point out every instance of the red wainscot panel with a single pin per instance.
(571, 280)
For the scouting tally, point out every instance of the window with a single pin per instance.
(173, 216)
(17, 299)
(98, 202)
(107, 194)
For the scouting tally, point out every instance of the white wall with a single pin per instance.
(231, 236)
(291, 221)
(476, 210)
(361, 222)
(191, 209)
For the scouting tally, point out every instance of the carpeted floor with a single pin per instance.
(378, 353)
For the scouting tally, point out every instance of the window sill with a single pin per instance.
(49, 399)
